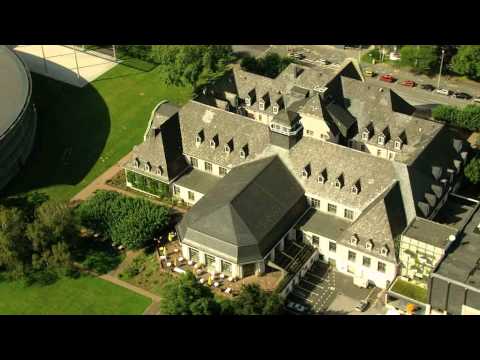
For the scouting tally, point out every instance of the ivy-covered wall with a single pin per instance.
(147, 184)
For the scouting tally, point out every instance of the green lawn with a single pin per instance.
(84, 131)
(410, 290)
(83, 296)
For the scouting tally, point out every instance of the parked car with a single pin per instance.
(362, 306)
(427, 87)
(369, 73)
(462, 95)
(443, 91)
(323, 61)
(296, 307)
(477, 100)
(387, 78)
(409, 83)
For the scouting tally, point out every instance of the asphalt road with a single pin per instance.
(416, 95)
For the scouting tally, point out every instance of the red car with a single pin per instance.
(410, 83)
(387, 78)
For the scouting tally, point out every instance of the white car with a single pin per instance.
(477, 100)
(443, 91)
(296, 307)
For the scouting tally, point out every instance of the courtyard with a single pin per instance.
(324, 291)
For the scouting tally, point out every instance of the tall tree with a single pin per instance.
(185, 296)
(15, 248)
(421, 58)
(467, 61)
(472, 170)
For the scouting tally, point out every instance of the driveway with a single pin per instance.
(324, 291)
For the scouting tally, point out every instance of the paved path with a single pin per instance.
(100, 182)
(152, 309)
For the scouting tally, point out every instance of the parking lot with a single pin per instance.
(324, 291)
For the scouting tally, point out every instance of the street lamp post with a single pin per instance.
(441, 66)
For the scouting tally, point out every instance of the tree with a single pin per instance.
(422, 58)
(472, 170)
(467, 61)
(54, 222)
(468, 117)
(15, 249)
(186, 296)
(270, 65)
(130, 222)
(253, 300)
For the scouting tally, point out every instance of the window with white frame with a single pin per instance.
(366, 261)
(222, 171)
(332, 208)
(369, 245)
(332, 247)
(315, 240)
(194, 162)
(398, 144)
(381, 267)
(275, 109)
(194, 255)
(381, 139)
(348, 214)
(147, 166)
(208, 166)
(384, 251)
(365, 135)
(226, 267)
(191, 196)
(315, 203)
(352, 256)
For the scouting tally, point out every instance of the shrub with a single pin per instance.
(130, 222)
(102, 261)
(468, 118)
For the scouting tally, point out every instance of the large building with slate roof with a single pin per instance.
(316, 156)
(454, 286)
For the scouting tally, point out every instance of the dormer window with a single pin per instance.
(381, 139)
(354, 240)
(384, 251)
(398, 144)
(369, 245)
(339, 182)
(275, 109)
(159, 170)
(261, 105)
(244, 151)
(248, 101)
(214, 142)
(306, 171)
(227, 149)
(199, 138)
(147, 166)
(136, 163)
(322, 178)
(356, 187)
(365, 135)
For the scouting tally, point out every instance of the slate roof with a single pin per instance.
(196, 117)
(382, 224)
(375, 174)
(323, 224)
(197, 180)
(430, 232)
(380, 109)
(225, 220)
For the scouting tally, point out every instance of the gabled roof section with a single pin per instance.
(341, 117)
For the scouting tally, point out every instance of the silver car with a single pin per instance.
(443, 91)
(296, 307)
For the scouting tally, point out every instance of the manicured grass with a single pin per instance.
(410, 290)
(84, 296)
(84, 131)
